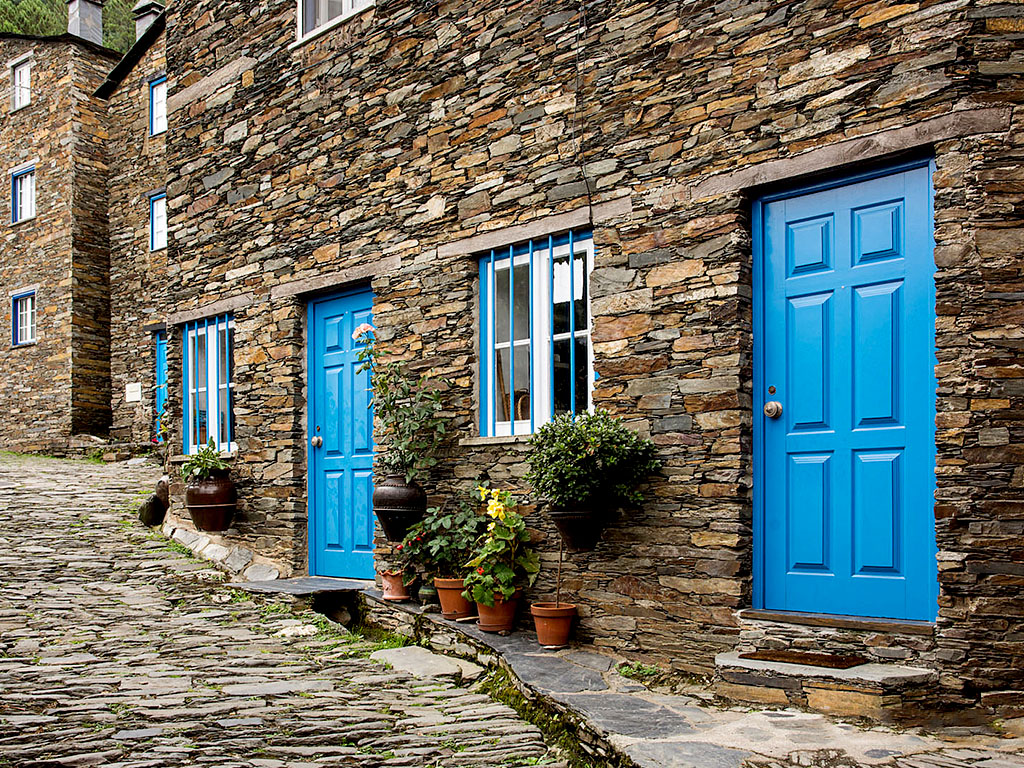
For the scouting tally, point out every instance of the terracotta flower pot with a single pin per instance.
(398, 505)
(501, 616)
(579, 528)
(553, 622)
(394, 588)
(453, 604)
(211, 502)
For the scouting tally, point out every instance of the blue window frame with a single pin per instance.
(206, 382)
(536, 359)
(158, 222)
(23, 194)
(160, 341)
(157, 105)
(23, 318)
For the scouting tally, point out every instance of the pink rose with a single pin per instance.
(365, 329)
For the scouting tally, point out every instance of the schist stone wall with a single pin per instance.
(138, 275)
(370, 153)
(55, 387)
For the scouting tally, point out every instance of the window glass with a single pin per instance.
(21, 80)
(209, 391)
(158, 106)
(24, 319)
(23, 195)
(535, 333)
(158, 222)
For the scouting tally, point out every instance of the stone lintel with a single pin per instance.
(954, 125)
(546, 225)
(472, 442)
(229, 304)
(209, 84)
(340, 279)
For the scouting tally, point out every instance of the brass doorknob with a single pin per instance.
(317, 441)
(773, 409)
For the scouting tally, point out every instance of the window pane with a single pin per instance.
(563, 376)
(501, 379)
(523, 392)
(500, 306)
(522, 300)
(201, 396)
(561, 297)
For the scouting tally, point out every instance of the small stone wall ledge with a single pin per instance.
(239, 562)
(496, 440)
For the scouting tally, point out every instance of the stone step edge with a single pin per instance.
(873, 674)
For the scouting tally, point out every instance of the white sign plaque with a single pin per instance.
(133, 393)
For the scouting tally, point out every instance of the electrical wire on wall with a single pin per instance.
(577, 141)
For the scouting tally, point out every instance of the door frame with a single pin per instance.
(758, 423)
(309, 364)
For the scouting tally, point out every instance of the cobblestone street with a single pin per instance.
(116, 650)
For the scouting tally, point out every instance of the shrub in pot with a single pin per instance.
(439, 545)
(586, 467)
(502, 563)
(407, 411)
(209, 490)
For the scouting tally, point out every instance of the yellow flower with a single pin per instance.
(483, 492)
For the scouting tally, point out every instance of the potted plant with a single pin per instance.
(586, 467)
(501, 565)
(553, 621)
(408, 414)
(439, 545)
(394, 580)
(209, 490)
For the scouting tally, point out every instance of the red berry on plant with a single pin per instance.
(480, 571)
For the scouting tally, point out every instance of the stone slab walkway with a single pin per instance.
(118, 651)
(659, 730)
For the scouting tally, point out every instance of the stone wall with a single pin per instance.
(51, 388)
(366, 153)
(138, 276)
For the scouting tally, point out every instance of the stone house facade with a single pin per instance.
(53, 259)
(397, 155)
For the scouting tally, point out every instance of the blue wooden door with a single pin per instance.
(161, 383)
(340, 441)
(845, 342)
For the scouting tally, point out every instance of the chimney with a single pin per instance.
(145, 12)
(85, 20)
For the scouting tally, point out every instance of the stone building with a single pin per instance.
(807, 203)
(53, 256)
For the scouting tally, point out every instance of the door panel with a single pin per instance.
(845, 476)
(340, 468)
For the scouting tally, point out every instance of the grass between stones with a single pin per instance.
(558, 728)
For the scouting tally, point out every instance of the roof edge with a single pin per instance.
(134, 54)
(65, 37)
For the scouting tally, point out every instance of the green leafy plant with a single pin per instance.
(439, 544)
(592, 460)
(205, 462)
(408, 410)
(502, 562)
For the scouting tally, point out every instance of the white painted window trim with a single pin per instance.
(352, 8)
(158, 222)
(23, 171)
(25, 63)
(20, 311)
(542, 342)
(212, 375)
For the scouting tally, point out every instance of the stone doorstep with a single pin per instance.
(305, 586)
(881, 692)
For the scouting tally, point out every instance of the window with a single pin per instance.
(158, 106)
(23, 194)
(536, 357)
(158, 222)
(23, 318)
(208, 351)
(319, 13)
(21, 85)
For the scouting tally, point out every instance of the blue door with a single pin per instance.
(845, 344)
(340, 441)
(161, 382)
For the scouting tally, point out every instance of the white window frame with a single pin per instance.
(158, 106)
(23, 318)
(210, 330)
(350, 8)
(158, 222)
(21, 93)
(23, 193)
(541, 394)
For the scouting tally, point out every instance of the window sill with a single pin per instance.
(470, 442)
(325, 28)
(158, 133)
(26, 220)
(19, 109)
(21, 344)
(182, 457)
(157, 250)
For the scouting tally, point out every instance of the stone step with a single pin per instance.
(304, 586)
(879, 692)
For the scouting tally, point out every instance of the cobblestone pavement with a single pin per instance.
(116, 650)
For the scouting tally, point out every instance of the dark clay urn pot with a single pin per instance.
(398, 505)
(211, 502)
